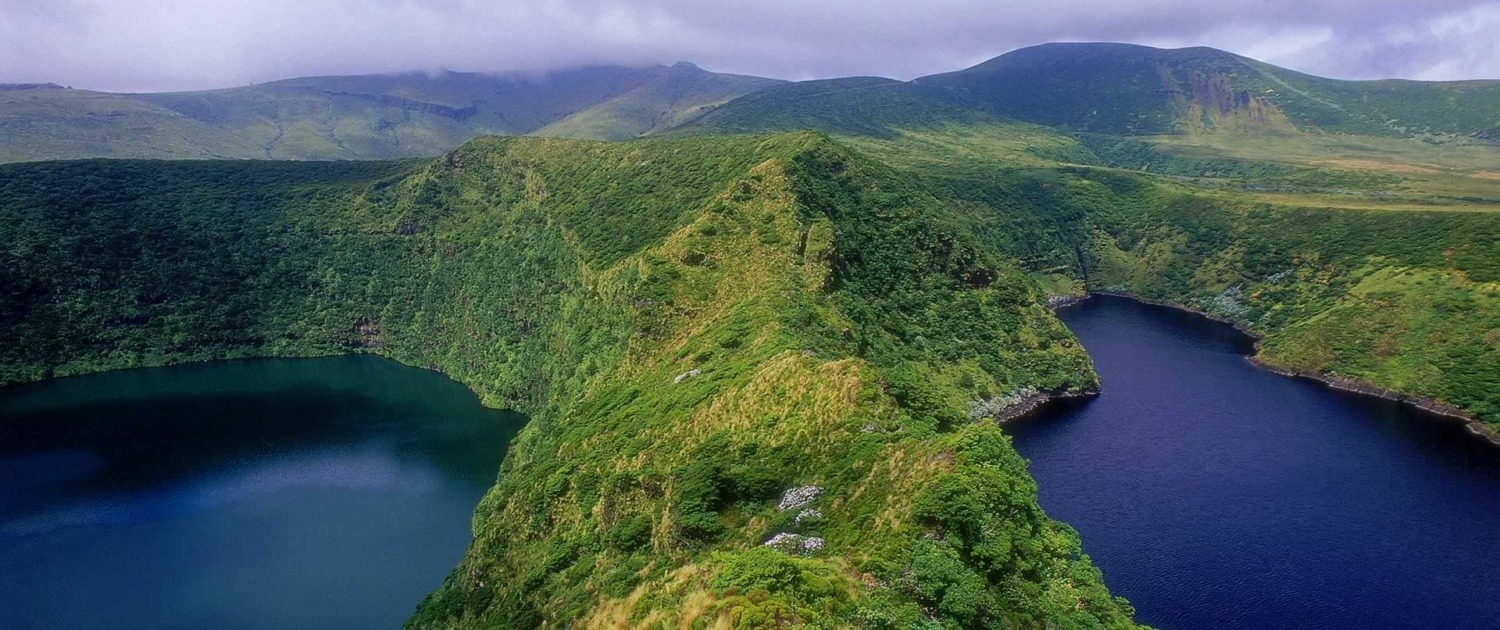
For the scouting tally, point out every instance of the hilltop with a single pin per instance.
(1125, 89)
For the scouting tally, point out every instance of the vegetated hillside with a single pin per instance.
(1124, 89)
(668, 99)
(949, 129)
(1406, 301)
(355, 117)
(722, 341)
(1272, 232)
(860, 106)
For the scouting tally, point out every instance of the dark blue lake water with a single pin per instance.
(1216, 495)
(316, 493)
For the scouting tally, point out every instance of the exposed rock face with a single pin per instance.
(1020, 403)
(1212, 101)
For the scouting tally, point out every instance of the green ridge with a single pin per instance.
(839, 320)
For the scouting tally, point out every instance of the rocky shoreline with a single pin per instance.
(1432, 407)
(1038, 400)
(1427, 405)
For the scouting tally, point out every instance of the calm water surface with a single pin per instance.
(1217, 495)
(312, 493)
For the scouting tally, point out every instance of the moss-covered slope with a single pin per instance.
(703, 330)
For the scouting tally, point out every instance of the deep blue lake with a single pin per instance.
(1216, 495)
(309, 493)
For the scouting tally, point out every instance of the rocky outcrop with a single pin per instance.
(1016, 405)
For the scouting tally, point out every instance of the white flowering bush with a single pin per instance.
(797, 497)
(794, 543)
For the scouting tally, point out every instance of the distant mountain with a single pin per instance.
(666, 99)
(1081, 89)
(1124, 89)
(864, 106)
(356, 117)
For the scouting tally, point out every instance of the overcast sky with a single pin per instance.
(147, 45)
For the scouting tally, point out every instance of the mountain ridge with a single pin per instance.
(377, 116)
(1161, 87)
(1101, 88)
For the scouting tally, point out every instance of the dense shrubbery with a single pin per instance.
(698, 325)
(1402, 300)
(695, 326)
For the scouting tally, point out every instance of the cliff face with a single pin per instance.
(1208, 102)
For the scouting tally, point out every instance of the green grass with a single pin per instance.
(1367, 172)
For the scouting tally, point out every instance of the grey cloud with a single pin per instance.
(187, 44)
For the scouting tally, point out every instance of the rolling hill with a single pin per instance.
(1125, 89)
(1173, 99)
(355, 117)
(1225, 121)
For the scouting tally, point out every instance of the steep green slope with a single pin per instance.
(1403, 301)
(355, 117)
(1124, 89)
(719, 339)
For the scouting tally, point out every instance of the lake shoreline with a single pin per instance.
(1035, 403)
(1430, 407)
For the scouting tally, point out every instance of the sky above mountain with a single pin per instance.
(151, 45)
